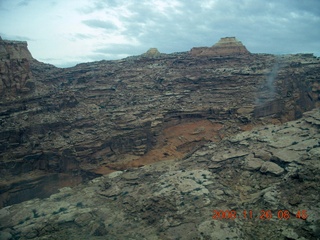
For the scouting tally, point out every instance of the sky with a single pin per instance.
(67, 32)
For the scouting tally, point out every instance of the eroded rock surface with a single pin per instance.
(14, 67)
(152, 52)
(228, 46)
(176, 199)
(103, 116)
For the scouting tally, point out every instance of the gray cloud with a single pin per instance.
(95, 23)
(264, 26)
(273, 26)
(97, 5)
(24, 3)
(80, 36)
(121, 48)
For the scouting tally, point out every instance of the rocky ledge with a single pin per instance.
(259, 184)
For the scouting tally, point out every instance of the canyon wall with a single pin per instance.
(102, 116)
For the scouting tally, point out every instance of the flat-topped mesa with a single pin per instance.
(151, 53)
(228, 46)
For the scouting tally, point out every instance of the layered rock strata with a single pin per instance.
(14, 67)
(98, 117)
(259, 184)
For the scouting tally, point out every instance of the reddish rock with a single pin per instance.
(228, 46)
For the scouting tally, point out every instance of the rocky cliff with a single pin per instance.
(14, 67)
(259, 184)
(77, 123)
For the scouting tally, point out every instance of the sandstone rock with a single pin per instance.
(227, 46)
(290, 234)
(228, 155)
(314, 119)
(151, 53)
(282, 142)
(112, 192)
(253, 163)
(83, 219)
(172, 198)
(264, 155)
(115, 174)
(190, 182)
(130, 176)
(98, 229)
(15, 69)
(103, 116)
(215, 230)
(270, 167)
(5, 235)
(315, 152)
(304, 145)
(286, 155)
(14, 50)
(66, 217)
(271, 199)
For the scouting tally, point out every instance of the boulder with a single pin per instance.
(271, 167)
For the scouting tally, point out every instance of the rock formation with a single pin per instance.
(14, 67)
(78, 123)
(228, 46)
(259, 184)
(152, 52)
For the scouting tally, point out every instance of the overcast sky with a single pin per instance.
(67, 32)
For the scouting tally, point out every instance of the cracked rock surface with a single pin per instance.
(261, 181)
(60, 127)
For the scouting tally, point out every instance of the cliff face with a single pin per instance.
(14, 67)
(228, 46)
(103, 116)
(259, 184)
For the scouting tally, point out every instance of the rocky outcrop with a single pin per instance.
(228, 46)
(99, 117)
(14, 67)
(14, 50)
(152, 52)
(259, 184)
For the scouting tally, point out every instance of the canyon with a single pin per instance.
(112, 122)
